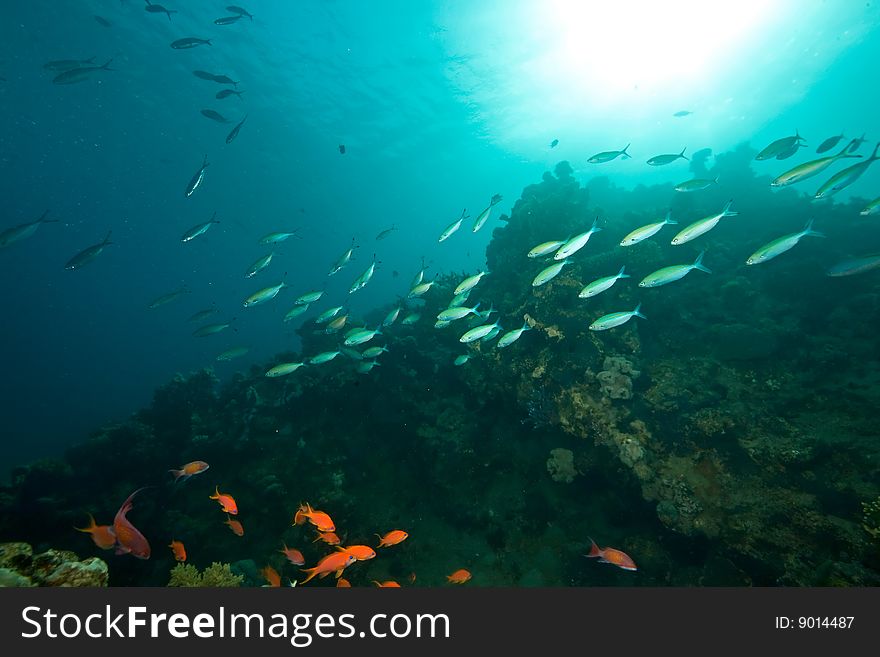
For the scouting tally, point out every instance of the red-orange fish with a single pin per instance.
(360, 552)
(271, 575)
(393, 537)
(343, 583)
(226, 501)
(128, 539)
(190, 469)
(387, 584)
(102, 535)
(319, 519)
(178, 550)
(235, 526)
(332, 563)
(612, 556)
(330, 538)
(460, 576)
(293, 555)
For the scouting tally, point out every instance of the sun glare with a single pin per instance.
(619, 47)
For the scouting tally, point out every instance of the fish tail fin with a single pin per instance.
(682, 154)
(623, 152)
(216, 495)
(809, 232)
(208, 41)
(698, 263)
(380, 540)
(311, 571)
(177, 474)
(92, 525)
(106, 65)
(638, 312)
(727, 212)
(715, 179)
(595, 227)
(594, 549)
(107, 239)
(620, 274)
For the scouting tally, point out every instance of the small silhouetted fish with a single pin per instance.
(225, 93)
(683, 113)
(856, 144)
(87, 255)
(79, 74)
(234, 132)
(224, 79)
(385, 233)
(554, 143)
(342, 149)
(239, 10)
(197, 178)
(67, 64)
(214, 116)
(189, 42)
(395, 274)
(204, 75)
(227, 20)
(159, 9)
(829, 143)
(102, 21)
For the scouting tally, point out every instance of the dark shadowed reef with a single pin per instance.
(729, 439)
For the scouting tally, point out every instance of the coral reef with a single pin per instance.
(19, 566)
(560, 465)
(727, 440)
(217, 575)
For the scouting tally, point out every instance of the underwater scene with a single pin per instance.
(422, 294)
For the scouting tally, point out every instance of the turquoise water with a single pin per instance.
(729, 438)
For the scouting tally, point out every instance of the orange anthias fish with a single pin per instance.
(388, 584)
(178, 550)
(359, 552)
(293, 555)
(460, 576)
(188, 470)
(393, 537)
(226, 501)
(271, 575)
(332, 563)
(102, 535)
(343, 583)
(235, 526)
(129, 540)
(612, 556)
(330, 538)
(319, 519)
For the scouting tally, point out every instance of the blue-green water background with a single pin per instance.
(433, 119)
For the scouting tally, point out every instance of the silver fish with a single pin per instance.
(830, 143)
(87, 255)
(227, 20)
(214, 116)
(660, 160)
(211, 329)
(189, 42)
(201, 229)
(79, 74)
(779, 146)
(607, 156)
(23, 231)
(234, 132)
(197, 178)
(168, 298)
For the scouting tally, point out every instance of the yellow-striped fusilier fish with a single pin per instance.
(704, 225)
(611, 320)
(781, 245)
(809, 169)
(673, 273)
